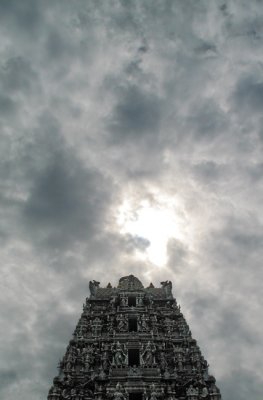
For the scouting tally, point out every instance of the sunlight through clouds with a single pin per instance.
(156, 222)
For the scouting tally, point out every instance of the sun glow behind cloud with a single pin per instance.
(156, 222)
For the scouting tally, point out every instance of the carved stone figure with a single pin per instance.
(191, 391)
(162, 361)
(147, 355)
(118, 394)
(96, 326)
(70, 358)
(168, 325)
(142, 324)
(153, 395)
(105, 362)
(81, 332)
(167, 286)
(166, 374)
(139, 301)
(172, 397)
(204, 393)
(119, 355)
(154, 327)
(124, 301)
(73, 394)
(178, 357)
(113, 302)
(88, 357)
(195, 359)
(93, 287)
(66, 394)
(134, 371)
(110, 324)
(122, 323)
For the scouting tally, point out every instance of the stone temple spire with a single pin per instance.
(133, 343)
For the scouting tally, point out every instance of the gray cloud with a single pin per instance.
(209, 171)
(136, 114)
(249, 94)
(66, 203)
(26, 15)
(17, 75)
(136, 242)
(178, 255)
(7, 377)
(7, 106)
(248, 384)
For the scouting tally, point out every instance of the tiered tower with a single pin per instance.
(133, 343)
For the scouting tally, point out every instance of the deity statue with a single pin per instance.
(80, 395)
(88, 357)
(204, 393)
(119, 356)
(167, 286)
(105, 362)
(118, 395)
(73, 394)
(66, 394)
(122, 323)
(191, 391)
(162, 361)
(142, 324)
(139, 301)
(168, 324)
(153, 395)
(81, 332)
(147, 354)
(93, 287)
(70, 358)
(134, 371)
(195, 358)
(110, 324)
(153, 320)
(178, 357)
(112, 303)
(171, 397)
(96, 326)
(124, 301)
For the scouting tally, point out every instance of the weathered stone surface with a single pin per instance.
(133, 343)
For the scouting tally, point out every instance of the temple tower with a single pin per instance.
(133, 343)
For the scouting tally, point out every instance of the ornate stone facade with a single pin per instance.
(133, 343)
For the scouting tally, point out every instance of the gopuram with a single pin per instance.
(133, 343)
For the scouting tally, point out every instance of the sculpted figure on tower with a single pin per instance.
(119, 355)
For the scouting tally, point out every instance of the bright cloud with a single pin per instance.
(157, 222)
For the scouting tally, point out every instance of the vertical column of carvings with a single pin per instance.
(86, 363)
(187, 366)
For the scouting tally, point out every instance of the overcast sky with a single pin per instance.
(131, 142)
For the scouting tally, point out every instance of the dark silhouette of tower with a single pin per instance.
(133, 343)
